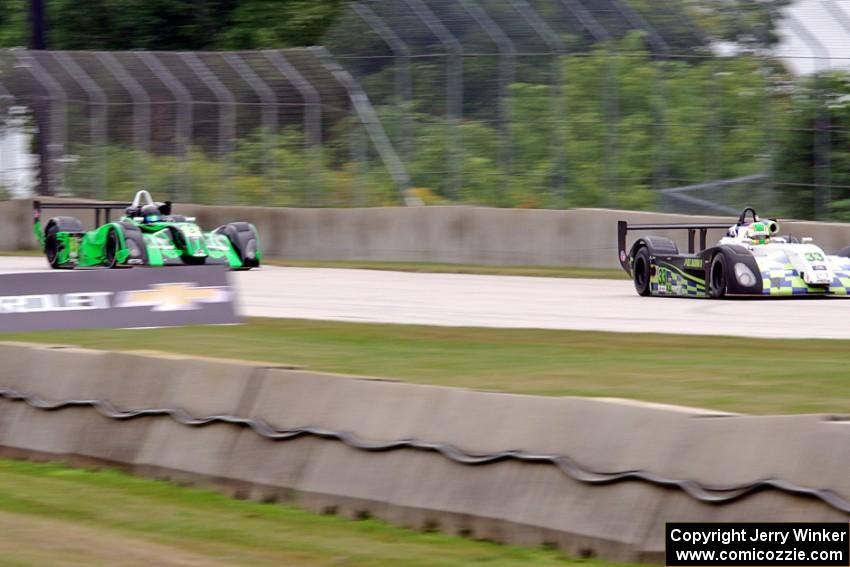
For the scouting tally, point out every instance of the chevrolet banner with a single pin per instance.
(138, 297)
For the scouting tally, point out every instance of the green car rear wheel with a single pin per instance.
(111, 249)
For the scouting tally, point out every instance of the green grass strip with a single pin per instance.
(24, 253)
(429, 267)
(759, 376)
(54, 515)
(434, 267)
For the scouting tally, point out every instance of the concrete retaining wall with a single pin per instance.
(510, 501)
(16, 225)
(474, 235)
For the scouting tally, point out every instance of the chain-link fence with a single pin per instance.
(261, 127)
(688, 105)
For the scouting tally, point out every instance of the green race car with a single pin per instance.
(147, 235)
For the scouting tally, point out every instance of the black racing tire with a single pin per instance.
(51, 246)
(244, 241)
(718, 277)
(194, 260)
(641, 271)
(111, 249)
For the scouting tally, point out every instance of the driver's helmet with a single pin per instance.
(150, 213)
(758, 233)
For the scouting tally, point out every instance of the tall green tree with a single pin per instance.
(172, 24)
(255, 24)
(813, 161)
(135, 24)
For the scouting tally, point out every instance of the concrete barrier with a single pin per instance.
(514, 501)
(474, 235)
(16, 225)
(808, 450)
(453, 234)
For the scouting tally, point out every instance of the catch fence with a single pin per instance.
(686, 106)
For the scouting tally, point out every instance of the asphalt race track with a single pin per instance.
(513, 302)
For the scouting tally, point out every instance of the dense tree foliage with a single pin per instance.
(704, 122)
(248, 24)
(813, 160)
(171, 24)
(635, 115)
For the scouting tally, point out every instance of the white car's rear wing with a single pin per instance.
(623, 227)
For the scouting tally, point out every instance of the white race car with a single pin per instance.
(751, 259)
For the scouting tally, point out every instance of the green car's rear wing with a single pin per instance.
(107, 208)
(623, 227)
(38, 206)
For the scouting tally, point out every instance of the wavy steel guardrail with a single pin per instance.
(713, 495)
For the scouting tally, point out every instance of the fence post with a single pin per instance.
(610, 102)
(551, 38)
(822, 143)
(98, 129)
(56, 131)
(183, 115)
(634, 19)
(403, 73)
(768, 117)
(268, 117)
(507, 62)
(371, 123)
(141, 112)
(226, 113)
(843, 20)
(8, 101)
(454, 90)
(312, 117)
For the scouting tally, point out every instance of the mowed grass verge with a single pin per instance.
(426, 267)
(449, 268)
(54, 515)
(759, 376)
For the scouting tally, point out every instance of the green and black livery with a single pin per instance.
(749, 259)
(133, 240)
(657, 267)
